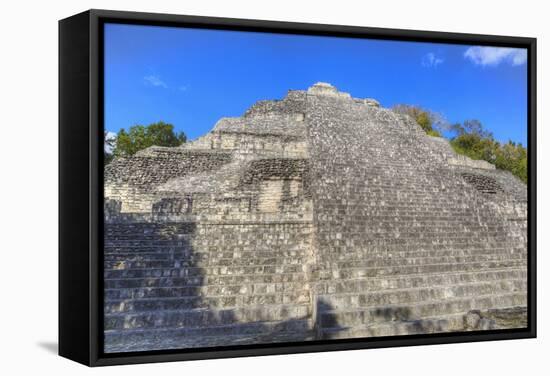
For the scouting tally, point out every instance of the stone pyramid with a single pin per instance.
(317, 216)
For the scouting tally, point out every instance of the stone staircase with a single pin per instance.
(405, 245)
(172, 285)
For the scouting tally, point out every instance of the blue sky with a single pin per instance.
(191, 77)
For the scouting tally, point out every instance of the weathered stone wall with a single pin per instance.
(390, 208)
(205, 284)
(315, 216)
(133, 181)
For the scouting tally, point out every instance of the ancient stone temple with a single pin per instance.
(317, 216)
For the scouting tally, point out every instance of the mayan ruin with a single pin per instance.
(316, 216)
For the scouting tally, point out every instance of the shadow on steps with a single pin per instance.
(161, 293)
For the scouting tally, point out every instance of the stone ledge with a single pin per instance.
(464, 161)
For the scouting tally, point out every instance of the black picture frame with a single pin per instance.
(81, 199)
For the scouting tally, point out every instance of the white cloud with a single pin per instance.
(493, 56)
(155, 81)
(184, 87)
(431, 60)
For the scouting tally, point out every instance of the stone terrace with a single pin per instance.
(312, 217)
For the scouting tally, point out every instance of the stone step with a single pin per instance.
(203, 280)
(186, 276)
(420, 242)
(178, 268)
(417, 281)
(381, 185)
(412, 215)
(212, 302)
(368, 225)
(377, 222)
(387, 283)
(221, 335)
(230, 257)
(400, 198)
(435, 225)
(412, 180)
(385, 222)
(354, 272)
(152, 228)
(148, 272)
(382, 314)
(137, 262)
(464, 211)
(386, 204)
(381, 219)
(232, 254)
(456, 243)
(167, 229)
(194, 318)
(437, 204)
(405, 261)
(411, 211)
(386, 200)
(353, 250)
(362, 225)
(395, 234)
(207, 246)
(418, 295)
(355, 231)
(448, 323)
(420, 253)
(232, 233)
(189, 250)
(200, 290)
(165, 252)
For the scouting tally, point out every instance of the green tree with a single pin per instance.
(426, 119)
(475, 146)
(472, 126)
(476, 142)
(140, 137)
(512, 157)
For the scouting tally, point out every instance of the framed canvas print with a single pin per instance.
(240, 187)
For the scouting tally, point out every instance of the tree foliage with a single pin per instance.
(512, 157)
(139, 137)
(477, 143)
(473, 127)
(426, 119)
(471, 139)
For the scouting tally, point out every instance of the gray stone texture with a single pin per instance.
(317, 216)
